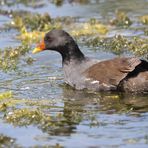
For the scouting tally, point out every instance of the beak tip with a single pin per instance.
(39, 48)
(36, 50)
(33, 52)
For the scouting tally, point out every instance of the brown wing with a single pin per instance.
(137, 80)
(112, 71)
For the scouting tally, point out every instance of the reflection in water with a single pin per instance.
(106, 101)
(85, 107)
(95, 116)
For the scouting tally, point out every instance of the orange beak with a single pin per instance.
(40, 47)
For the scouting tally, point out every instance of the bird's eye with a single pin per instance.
(49, 39)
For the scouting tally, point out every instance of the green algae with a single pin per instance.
(121, 19)
(37, 116)
(5, 95)
(35, 22)
(33, 27)
(29, 3)
(53, 119)
(121, 44)
(87, 29)
(6, 141)
(8, 101)
(20, 112)
(58, 2)
(43, 23)
(25, 116)
(144, 19)
(10, 56)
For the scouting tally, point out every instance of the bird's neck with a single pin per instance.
(71, 52)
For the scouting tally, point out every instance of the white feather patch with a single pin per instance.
(94, 82)
(87, 79)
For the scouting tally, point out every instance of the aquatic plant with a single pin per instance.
(31, 32)
(35, 22)
(86, 29)
(9, 57)
(144, 19)
(121, 44)
(121, 19)
(5, 95)
(30, 3)
(6, 141)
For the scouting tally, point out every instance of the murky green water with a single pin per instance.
(80, 119)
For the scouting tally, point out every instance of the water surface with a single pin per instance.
(88, 119)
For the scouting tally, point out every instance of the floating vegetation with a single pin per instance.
(139, 46)
(44, 23)
(7, 101)
(35, 22)
(86, 29)
(24, 117)
(9, 57)
(42, 114)
(120, 44)
(6, 141)
(121, 20)
(5, 95)
(33, 27)
(30, 37)
(144, 19)
(3, 99)
(53, 119)
(30, 3)
(58, 2)
(20, 112)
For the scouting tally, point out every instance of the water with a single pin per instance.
(88, 119)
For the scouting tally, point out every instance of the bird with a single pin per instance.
(122, 74)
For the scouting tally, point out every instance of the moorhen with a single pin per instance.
(128, 74)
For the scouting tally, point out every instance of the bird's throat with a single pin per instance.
(71, 53)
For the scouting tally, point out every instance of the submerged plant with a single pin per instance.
(23, 117)
(35, 22)
(6, 141)
(30, 37)
(139, 46)
(9, 57)
(120, 44)
(89, 28)
(121, 19)
(144, 19)
(3, 99)
(5, 95)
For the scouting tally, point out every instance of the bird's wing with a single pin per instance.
(111, 72)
